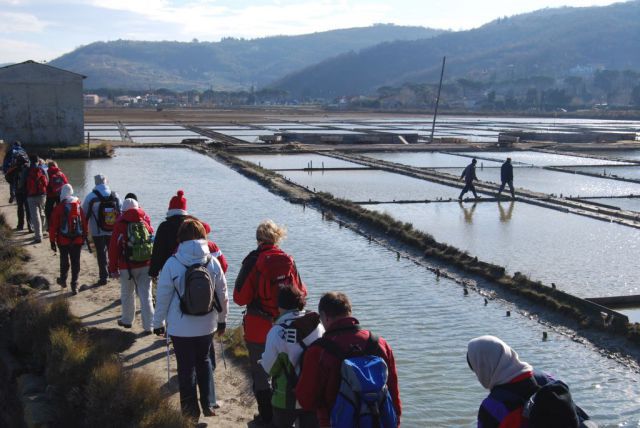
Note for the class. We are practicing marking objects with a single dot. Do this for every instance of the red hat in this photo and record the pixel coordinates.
(178, 202)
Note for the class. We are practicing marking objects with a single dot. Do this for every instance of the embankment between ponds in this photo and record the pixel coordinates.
(587, 315)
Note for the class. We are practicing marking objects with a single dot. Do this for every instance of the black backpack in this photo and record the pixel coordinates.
(199, 296)
(552, 406)
(107, 211)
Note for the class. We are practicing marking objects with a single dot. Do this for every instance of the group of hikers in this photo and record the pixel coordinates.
(469, 176)
(308, 368)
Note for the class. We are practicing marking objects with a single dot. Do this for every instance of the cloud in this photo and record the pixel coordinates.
(19, 51)
(13, 22)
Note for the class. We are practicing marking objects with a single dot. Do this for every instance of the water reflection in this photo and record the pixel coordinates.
(505, 216)
(468, 212)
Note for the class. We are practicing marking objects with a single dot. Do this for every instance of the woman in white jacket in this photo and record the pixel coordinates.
(191, 335)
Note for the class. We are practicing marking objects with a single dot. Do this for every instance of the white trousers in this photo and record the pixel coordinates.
(140, 283)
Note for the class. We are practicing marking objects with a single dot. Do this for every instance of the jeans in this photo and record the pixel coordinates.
(510, 183)
(70, 253)
(102, 244)
(467, 187)
(140, 284)
(23, 211)
(285, 418)
(36, 209)
(194, 370)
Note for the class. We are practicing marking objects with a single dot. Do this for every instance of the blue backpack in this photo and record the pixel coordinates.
(363, 400)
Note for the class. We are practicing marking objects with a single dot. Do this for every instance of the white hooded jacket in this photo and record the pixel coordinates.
(171, 282)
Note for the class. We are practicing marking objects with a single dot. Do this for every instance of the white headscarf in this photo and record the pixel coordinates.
(494, 362)
(66, 192)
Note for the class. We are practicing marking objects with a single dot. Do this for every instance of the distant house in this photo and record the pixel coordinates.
(41, 104)
(91, 100)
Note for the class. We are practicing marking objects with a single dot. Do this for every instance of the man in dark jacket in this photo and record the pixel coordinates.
(506, 176)
(469, 174)
(165, 243)
(319, 381)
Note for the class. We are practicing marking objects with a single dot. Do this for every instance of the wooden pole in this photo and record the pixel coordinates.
(88, 145)
(435, 113)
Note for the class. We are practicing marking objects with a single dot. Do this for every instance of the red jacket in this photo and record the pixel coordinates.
(217, 253)
(319, 381)
(118, 240)
(258, 320)
(37, 181)
(55, 222)
(57, 179)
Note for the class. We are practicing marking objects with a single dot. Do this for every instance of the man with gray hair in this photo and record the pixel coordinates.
(102, 207)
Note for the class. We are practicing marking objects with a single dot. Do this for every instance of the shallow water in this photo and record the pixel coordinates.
(586, 257)
(558, 183)
(371, 185)
(298, 161)
(427, 321)
(619, 154)
(631, 204)
(426, 159)
(632, 172)
(540, 159)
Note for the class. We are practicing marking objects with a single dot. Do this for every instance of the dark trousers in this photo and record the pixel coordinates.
(102, 246)
(510, 183)
(283, 418)
(23, 208)
(49, 205)
(467, 187)
(70, 254)
(194, 370)
(261, 385)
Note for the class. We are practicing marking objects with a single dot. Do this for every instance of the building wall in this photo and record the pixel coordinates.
(41, 105)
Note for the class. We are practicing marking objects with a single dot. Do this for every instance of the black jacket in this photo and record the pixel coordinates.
(165, 243)
(506, 172)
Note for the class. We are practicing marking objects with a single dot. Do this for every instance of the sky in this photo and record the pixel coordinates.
(45, 29)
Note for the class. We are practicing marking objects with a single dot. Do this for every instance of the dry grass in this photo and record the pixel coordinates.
(234, 343)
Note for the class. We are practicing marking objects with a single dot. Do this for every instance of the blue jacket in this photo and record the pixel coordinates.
(90, 207)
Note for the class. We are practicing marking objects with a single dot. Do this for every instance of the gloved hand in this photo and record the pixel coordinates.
(158, 331)
(115, 275)
(54, 248)
(222, 327)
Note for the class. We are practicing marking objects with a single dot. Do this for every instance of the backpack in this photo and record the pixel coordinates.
(139, 244)
(36, 182)
(363, 399)
(107, 211)
(275, 269)
(71, 224)
(56, 181)
(553, 406)
(199, 296)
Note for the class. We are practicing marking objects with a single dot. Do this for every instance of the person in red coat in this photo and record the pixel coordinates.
(262, 311)
(319, 381)
(215, 250)
(67, 232)
(57, 179)
(132, 265)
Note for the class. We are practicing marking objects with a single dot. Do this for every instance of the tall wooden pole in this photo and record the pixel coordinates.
(435, 113)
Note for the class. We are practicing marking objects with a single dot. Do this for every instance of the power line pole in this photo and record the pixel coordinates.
(435, 113)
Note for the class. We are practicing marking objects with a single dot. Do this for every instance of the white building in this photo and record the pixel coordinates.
(41, 105)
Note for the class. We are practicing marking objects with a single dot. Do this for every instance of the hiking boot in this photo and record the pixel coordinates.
(36, 241)
(208, 411)
(11, 199)
(102, 282)
(61, 282)
(121, 324)
(74, 288)
(19, 228)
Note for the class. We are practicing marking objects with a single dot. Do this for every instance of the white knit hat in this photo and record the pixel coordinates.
(66, 191)
(130, 204)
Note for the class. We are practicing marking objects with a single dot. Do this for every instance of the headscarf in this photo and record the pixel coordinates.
(494, 362)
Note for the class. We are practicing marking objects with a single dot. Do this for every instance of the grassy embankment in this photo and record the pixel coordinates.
(570, 306)
(95, 151)
(86, 383)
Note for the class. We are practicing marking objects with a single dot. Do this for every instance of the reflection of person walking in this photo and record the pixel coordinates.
(506, 176)
(469, 174)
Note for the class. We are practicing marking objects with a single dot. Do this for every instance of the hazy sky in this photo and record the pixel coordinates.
(45, 29)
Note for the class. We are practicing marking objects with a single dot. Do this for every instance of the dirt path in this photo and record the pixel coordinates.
(100, 307)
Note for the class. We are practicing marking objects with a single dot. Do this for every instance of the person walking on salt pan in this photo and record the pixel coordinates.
(469, 175)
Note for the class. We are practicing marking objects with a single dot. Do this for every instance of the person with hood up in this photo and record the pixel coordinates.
(165, 243)
(294, 331)
(469, 175)
(129, 255)
(506, 177)
(191, 335)
(57, 179)
(103, 207)
(67, 231)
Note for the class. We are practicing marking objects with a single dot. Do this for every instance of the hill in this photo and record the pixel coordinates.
(549, 42)
(228, 64)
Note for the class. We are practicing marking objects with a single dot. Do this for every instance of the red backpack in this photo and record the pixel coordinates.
(56, 181)
(36, 182)
(71, 225)
(275, 268)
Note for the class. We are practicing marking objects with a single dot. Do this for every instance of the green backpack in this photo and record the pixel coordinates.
(139, 243)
